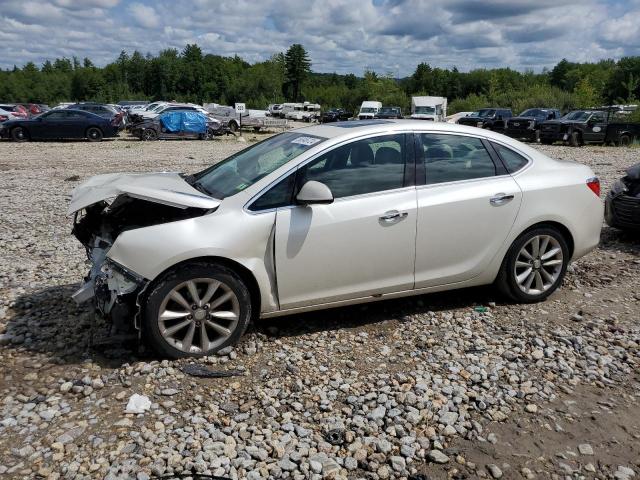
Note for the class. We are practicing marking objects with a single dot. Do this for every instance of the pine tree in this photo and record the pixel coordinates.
(297, 68)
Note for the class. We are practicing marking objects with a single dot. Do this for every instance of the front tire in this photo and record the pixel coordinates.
(196, 310)
(19, 134)
(94, 134)
(574, 139)
(149, 134)
(534, 266)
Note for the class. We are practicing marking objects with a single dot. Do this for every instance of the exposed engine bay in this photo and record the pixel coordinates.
(113, 288)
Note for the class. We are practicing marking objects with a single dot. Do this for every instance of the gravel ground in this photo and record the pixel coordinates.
(453, 385)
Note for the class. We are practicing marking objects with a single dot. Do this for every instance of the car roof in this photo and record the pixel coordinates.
(357, 128)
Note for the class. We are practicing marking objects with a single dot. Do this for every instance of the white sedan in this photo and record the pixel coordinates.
(330, 215)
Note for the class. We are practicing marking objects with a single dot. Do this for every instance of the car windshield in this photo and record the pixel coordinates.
(367, 110)
(486, 112)
(245, 168)
(578, 115)
(532, 112)
(425, 110)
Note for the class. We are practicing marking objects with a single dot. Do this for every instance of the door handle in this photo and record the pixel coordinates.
(500, 199)
(393, 216)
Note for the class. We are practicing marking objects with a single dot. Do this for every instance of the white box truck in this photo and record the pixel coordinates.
(429, 108)
(368, 109)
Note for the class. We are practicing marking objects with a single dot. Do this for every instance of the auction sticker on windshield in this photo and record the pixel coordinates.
(308, 141)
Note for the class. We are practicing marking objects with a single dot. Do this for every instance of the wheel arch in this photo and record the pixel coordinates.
(245, 274)
(93, 126)
(566, 233)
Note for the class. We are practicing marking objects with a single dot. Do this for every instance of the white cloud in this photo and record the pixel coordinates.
(144, 15)
(340, 35)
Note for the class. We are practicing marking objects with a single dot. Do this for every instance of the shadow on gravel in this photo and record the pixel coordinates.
(375, 312)
(614, 239)
(48, 321)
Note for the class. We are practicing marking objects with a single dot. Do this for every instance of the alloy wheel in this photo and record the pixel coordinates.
(198, 315)
(538, 264)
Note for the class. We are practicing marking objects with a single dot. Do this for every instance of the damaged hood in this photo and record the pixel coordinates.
(167, 188)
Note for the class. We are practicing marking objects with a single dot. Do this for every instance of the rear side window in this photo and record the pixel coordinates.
(452, 158)
(512, 160)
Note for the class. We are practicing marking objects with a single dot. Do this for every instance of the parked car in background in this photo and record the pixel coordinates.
(274, 109)
(622, 205)
(11, 111)
(192, 258)
(102, 110)
(129, 104)
(389, 112)
(177, 124)
(526, 126)
(489, 118)
(581, 127)
(227, 115)
(335, 115)
(429, 108)
(59, 124)
(368, 109)
(456, 116)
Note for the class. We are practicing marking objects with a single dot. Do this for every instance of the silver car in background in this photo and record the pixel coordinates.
(330, 215)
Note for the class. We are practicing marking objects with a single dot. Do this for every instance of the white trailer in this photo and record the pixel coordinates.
(368, 109)
(429, 108)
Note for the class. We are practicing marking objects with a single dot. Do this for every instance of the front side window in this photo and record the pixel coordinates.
(364, 166)
(451, 158)
(58, 115)
(245, 168)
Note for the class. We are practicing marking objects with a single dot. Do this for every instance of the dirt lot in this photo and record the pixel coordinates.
(455, 385)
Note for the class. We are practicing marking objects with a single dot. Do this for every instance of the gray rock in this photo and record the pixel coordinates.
(436, 456)
(494, 470)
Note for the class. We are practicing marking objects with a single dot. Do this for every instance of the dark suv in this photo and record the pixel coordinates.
(389, 112)
(489, 118)
(527, 125)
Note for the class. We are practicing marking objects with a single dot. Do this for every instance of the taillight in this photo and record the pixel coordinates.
(594, 184)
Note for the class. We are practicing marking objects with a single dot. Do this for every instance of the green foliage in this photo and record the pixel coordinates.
(297, 69)
(191, 75)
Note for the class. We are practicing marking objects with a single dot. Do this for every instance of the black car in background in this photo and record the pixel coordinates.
(489, 118)
(334, 115)
(61, 123)
(581, 127)
(101, 109)
(622, 205)
(526, 126)
(389, 112)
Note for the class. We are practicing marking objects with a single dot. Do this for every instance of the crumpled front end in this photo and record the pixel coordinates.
(108, 205)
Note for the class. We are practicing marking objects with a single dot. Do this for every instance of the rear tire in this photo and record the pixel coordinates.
(625, 141)
(531, 273)
(94, 134)
(223, 324)
(233, 126)
(20, 134)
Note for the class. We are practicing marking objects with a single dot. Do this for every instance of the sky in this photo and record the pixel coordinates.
(344, 36)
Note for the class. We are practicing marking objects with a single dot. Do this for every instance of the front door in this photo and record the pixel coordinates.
(363, 243)
(466, 209)
(596, 128)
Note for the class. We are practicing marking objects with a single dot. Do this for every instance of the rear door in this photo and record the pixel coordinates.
(467, 205)
(362, 244)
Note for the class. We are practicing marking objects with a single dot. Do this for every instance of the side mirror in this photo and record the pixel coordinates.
(314, 192)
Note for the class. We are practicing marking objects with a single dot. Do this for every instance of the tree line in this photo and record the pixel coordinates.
(192, 76)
